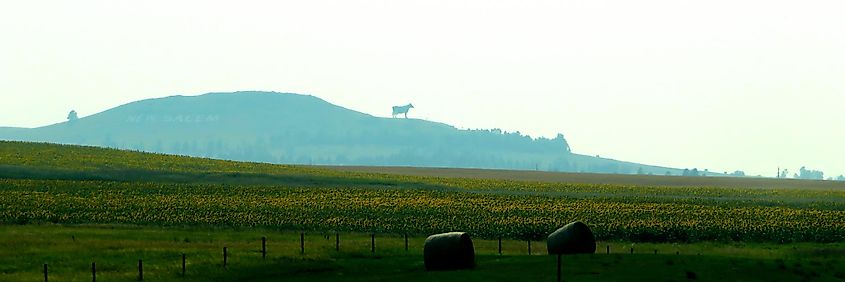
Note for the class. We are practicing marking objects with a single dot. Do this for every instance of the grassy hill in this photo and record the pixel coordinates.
(29, 160)
(299, 129)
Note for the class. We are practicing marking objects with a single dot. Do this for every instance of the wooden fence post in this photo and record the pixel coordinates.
(225, 257)
(558, 268)
(183, 265)
(500, 245)
(302, 243)
(263, 247)
(337, 241)
(94, 272)
(608, 249)
(632, 250)
(406, 242)
(140, 270)
(373, 243)
(529, 247)
(45, 272)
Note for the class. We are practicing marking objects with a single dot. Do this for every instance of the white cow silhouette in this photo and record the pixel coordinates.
(402, 110)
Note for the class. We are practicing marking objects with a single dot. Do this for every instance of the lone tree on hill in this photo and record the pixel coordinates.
(72, 116)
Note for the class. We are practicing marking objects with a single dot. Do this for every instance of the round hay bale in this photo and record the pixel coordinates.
(573, 238)
(449, 251)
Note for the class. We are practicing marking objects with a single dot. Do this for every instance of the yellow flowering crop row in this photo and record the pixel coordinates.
(411, 210)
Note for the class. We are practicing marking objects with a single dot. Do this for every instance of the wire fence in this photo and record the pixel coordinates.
(483, 248)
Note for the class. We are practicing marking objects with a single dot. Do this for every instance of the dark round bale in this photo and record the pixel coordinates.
(573, 238)
(449, 251)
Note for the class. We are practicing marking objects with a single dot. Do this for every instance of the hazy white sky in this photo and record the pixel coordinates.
(718, 84)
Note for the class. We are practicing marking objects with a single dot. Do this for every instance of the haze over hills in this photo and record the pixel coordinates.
(302, 129)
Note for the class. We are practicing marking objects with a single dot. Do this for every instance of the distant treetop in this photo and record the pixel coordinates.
(72, 116)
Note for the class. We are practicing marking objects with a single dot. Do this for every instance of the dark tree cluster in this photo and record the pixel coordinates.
(691, 172)
(804, 173)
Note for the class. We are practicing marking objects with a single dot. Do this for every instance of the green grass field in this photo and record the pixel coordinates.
(70, 250)
(69, 206)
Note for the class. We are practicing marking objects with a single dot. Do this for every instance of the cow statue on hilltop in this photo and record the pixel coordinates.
(398, 110)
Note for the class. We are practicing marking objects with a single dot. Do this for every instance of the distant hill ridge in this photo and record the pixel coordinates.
(302, 129)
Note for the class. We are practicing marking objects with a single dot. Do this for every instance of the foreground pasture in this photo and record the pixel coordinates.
(70, 250)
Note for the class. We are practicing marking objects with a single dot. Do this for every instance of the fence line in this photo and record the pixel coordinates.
(264, 252)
